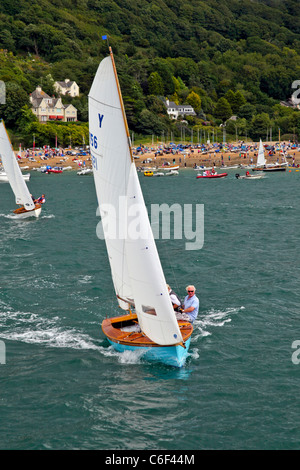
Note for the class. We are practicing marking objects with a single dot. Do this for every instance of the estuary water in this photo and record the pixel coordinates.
(63, 387)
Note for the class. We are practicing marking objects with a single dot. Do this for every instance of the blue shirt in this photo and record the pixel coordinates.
(192, 302)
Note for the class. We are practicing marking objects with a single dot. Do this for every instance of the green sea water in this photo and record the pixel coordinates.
(64, 387)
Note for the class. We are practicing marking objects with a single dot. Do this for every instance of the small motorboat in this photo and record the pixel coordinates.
(55, 169)
(208, 174)
(247, 176)
(169, 167)
(148, 173)
(85, 171)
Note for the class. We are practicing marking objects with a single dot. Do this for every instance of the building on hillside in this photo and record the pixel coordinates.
(175, 110)
(67, 87)
(291, 102)
(51, 109)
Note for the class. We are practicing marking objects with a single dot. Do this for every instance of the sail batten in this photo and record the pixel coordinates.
(135, 265)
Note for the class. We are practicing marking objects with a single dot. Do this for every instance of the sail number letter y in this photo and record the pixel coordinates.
(100, 116)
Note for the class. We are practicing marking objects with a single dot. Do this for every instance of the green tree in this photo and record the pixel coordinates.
(155, 84)
(7, 41)
(260, 125)
(194, 100)
(150, 123)
(16, 98)
(235, 99)
(247, 111)
(223, 110)
(47, 84)
(26, 117)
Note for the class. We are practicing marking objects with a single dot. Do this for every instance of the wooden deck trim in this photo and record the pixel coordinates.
(22, 210)
(138, 339)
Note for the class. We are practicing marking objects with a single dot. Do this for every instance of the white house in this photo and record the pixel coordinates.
(51, 109)
(175, 110)
(67, 87)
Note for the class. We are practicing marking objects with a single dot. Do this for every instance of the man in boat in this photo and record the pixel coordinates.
(40, 200)
(190, 309)
(176, 302)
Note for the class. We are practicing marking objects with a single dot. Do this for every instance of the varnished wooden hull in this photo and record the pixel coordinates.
(272, 168)
(174, 355)
(22, 213)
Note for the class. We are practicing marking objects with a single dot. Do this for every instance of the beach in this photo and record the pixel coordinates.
(189, 158)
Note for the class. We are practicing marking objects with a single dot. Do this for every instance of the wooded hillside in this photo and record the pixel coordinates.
(235, 57)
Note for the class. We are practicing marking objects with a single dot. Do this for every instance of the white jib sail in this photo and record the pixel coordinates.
(13, 171)
(261, 161)
(134, 261)
(152, 301)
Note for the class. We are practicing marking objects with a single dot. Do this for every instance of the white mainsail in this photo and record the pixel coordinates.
(261, 161)
(136, 270)
(13, 171)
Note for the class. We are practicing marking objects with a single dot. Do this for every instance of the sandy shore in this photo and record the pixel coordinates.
(187, 160)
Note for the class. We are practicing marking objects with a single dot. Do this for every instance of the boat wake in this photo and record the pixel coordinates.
(34, 329)
(9, 216)
(125, 357)
(214, 318)
(14, 217)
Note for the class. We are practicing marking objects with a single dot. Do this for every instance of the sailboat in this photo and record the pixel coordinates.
(262, 163)
(4, 177)
(148, 324)
(12, 170)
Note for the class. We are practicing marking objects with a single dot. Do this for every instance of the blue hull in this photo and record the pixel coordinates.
(170, 355)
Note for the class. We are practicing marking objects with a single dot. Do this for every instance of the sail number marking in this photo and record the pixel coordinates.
(93, 141)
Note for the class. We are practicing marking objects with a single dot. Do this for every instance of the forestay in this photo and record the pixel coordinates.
(136, 269)
(13, 171)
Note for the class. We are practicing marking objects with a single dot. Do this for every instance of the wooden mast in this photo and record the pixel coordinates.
(121, 101)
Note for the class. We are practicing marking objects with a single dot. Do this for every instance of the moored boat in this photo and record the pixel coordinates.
(208, 175)
(169, 167)
(262, 164)
(270, 168)
(247, 176)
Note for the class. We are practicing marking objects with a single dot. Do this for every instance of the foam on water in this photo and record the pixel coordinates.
(35, 329)
(214, 318)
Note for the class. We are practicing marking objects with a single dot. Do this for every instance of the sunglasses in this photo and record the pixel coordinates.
(191, 291)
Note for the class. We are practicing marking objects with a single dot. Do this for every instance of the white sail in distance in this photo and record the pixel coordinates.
(135, 266)
(261, 161)
(13, 171)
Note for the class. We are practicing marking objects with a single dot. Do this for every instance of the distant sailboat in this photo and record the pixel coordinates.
(138, 278)
(261, 160)
(15, 178)
(262, 163)
(4, 177)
